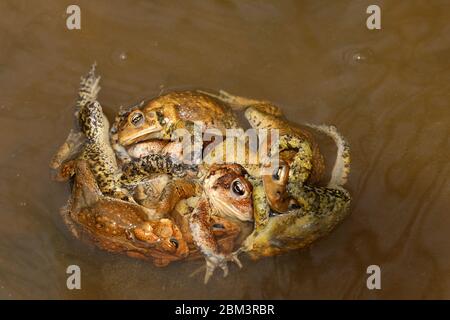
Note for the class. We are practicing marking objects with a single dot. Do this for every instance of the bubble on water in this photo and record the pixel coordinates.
(22, 204)
(119, 56)
(359, 56)
(123, 56)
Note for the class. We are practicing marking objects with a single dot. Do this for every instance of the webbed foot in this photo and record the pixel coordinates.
(221, 261)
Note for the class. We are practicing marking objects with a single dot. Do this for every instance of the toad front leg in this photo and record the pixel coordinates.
(204, 239)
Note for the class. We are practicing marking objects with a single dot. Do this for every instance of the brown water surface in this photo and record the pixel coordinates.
(388, 92)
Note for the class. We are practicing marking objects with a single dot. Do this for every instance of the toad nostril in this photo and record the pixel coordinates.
(174, 242)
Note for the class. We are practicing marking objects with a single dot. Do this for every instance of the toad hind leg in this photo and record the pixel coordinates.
(241, 103)
(204, 239)
(341, 169)
(89, 88)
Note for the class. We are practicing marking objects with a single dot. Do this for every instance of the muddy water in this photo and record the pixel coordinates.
(387, 91)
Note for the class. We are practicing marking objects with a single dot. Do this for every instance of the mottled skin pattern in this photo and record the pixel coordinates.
(318, 209)
(138, 174)
(224, 197)
(120, 226)
(155, 163)
(341, 169)
(307, 163)
(297, 148)
(158, 118)
(285, 184)
(112, 224)
(225, 231)
(99, 154)
(275, 185)
(96, 149)
(227, 193)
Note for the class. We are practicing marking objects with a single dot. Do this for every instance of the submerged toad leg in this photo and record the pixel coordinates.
(68, 149)
(204, 239)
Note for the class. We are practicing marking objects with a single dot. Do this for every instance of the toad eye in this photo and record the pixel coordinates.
(174, 242)
(279, 173)
(238, 188)
(137, 119)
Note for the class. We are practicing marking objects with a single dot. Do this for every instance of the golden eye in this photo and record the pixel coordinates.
(238, 188)
(137, 119)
